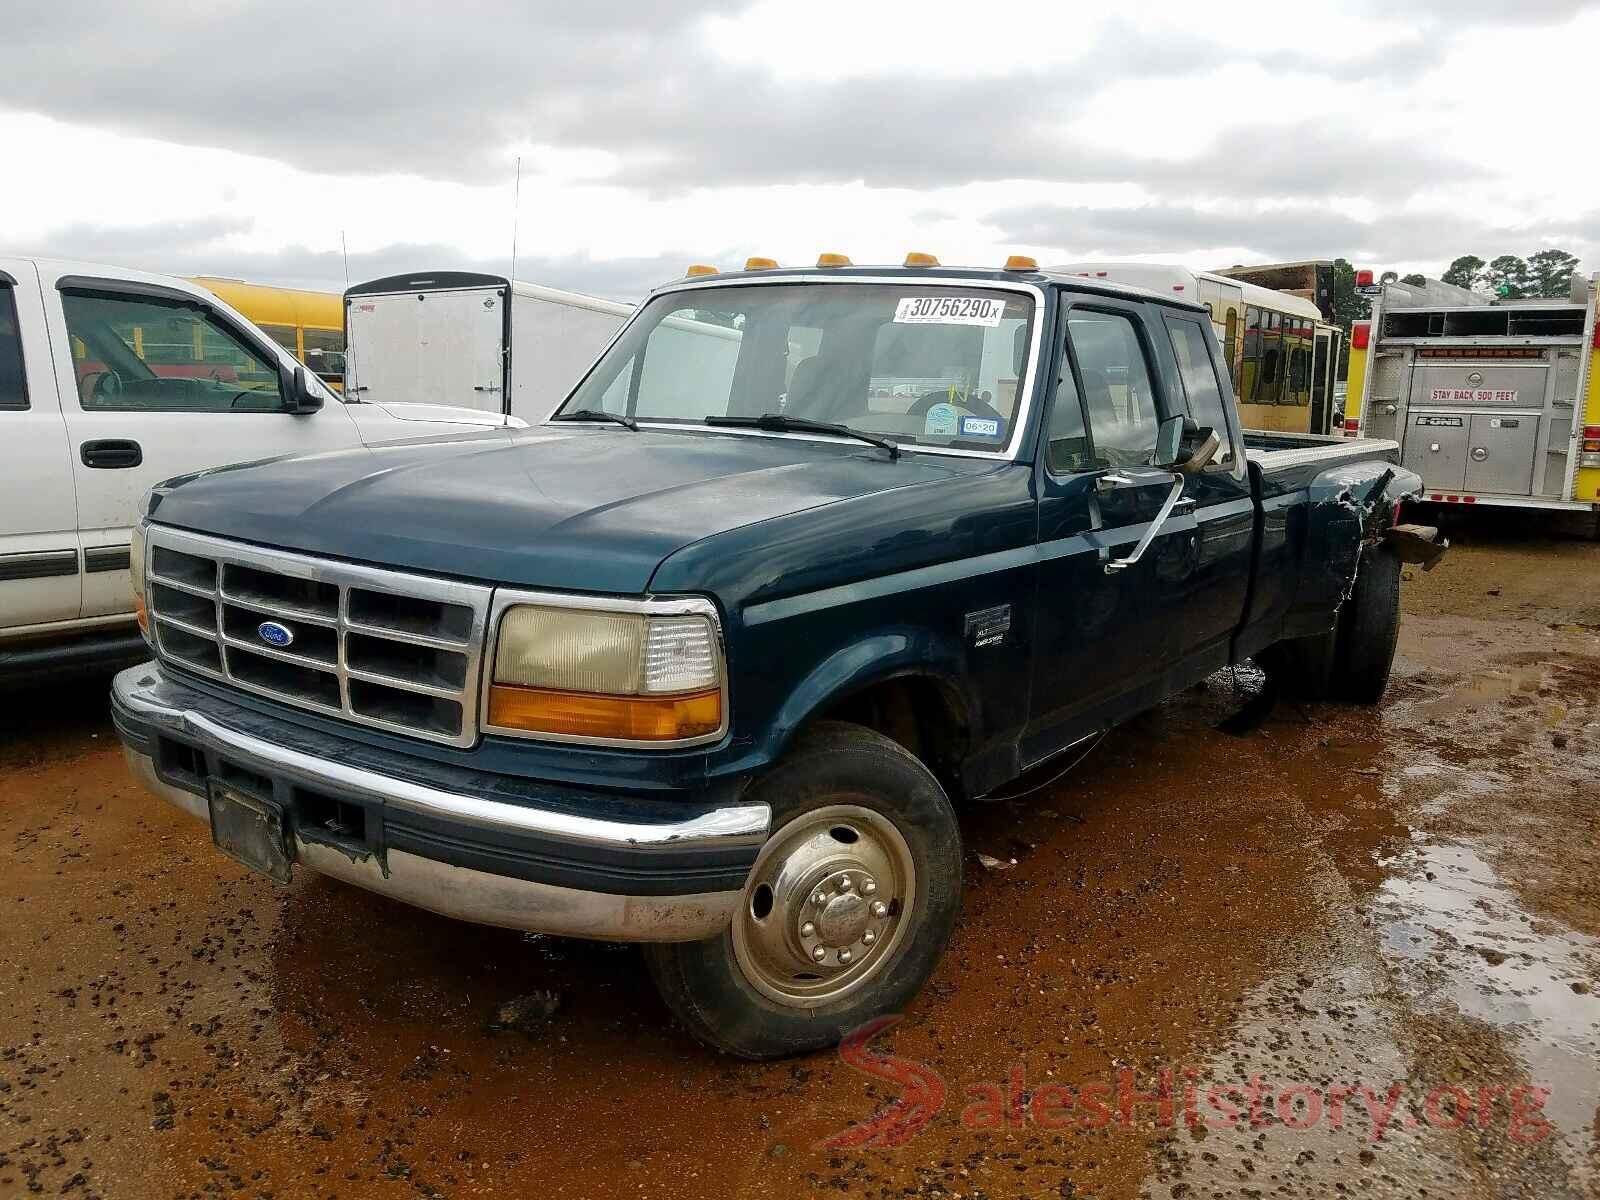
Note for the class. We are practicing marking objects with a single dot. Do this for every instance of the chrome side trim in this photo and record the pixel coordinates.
(650, 606)
(742, 824)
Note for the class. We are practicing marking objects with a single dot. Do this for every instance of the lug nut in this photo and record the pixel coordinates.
(879, 908)
(820, 898)
(845, 956)
(869, 887)
(807, 929)
(846, 883)
(819, 953)
(868, 938)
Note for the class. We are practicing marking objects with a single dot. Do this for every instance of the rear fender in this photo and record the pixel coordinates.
(1351, 506)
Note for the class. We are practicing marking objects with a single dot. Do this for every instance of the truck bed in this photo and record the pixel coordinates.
(1275, 451)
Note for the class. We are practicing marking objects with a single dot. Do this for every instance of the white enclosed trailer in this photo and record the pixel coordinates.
(483, 341)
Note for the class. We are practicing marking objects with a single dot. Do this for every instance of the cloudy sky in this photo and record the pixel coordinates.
(245, 139)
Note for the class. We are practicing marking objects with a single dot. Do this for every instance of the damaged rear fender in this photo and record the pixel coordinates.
(1350, 507)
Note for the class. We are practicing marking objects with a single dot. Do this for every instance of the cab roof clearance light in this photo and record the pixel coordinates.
(701, 269)
(918, 259)
(756, 263)
(1021, 262)
(833, 260)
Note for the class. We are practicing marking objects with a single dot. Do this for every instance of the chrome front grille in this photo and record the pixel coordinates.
(381, 648)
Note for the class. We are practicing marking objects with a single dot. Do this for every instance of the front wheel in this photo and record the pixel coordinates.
(845, 913)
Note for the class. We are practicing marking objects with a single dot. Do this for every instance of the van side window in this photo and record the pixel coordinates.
(13, 381)
(1199, 375)
(140, 354)
(1116, 387)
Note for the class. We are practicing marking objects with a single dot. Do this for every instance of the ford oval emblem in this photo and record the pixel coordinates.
(274, 634)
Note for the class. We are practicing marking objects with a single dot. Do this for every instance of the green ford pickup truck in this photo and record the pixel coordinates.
(712, 658)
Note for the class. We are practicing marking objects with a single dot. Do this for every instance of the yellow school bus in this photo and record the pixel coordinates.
(309, 325)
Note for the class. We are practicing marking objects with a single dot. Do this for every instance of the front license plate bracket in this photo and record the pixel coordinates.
(249, 830)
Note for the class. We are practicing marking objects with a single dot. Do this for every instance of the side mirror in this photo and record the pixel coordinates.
(1183, 446)
(299, 397)
(1169, 443)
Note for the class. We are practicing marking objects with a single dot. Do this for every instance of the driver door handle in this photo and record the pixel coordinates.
(111, 454)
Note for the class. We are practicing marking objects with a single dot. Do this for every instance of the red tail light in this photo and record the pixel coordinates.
(1597, 335)
(1591, 439)
(1363, 278)
(1361, 333)
(1352, 427)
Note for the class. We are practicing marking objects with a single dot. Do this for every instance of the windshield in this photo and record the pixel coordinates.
(923, 365)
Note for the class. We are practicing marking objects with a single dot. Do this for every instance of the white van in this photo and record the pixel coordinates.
(483, 341)
(111, 381)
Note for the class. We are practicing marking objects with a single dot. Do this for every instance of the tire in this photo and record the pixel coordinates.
(1369, 628)
(842, 796)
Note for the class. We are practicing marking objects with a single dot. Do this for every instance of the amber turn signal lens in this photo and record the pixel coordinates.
(633, 718)
(141, 615)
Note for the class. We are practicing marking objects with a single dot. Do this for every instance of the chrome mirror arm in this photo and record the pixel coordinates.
(1121, 564)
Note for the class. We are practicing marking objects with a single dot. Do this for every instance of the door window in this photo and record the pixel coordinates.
(1068, 448)
(1199, 375)
(144, 354)
(1116, 387)
(13, 381)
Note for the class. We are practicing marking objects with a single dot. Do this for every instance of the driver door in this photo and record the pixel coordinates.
(154, 386)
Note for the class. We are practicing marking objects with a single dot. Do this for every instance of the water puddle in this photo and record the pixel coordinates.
(1460, 938)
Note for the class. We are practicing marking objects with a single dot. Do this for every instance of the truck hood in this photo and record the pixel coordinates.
(587, 509)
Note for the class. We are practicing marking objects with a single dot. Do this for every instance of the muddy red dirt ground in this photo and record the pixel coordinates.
(1404, 898)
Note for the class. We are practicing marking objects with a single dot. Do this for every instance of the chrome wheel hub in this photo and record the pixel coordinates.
(826, 904)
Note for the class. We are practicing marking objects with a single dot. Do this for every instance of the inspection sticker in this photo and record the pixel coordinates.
(986, 427)
(949, 310)
(940, 421)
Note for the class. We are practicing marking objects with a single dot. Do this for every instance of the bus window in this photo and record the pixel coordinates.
(1270, 388)
(1230, 345)
(1250, 376)
(325, 353)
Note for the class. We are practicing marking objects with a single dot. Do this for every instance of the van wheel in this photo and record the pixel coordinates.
(845, 913)
(1369, 628)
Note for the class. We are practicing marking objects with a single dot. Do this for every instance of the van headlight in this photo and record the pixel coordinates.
(136, 577)
(608, 675)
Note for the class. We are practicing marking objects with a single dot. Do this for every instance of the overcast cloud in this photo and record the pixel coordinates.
(248, 139)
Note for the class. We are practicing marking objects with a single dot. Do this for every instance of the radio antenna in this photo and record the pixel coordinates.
(344, 249)
(516, 211)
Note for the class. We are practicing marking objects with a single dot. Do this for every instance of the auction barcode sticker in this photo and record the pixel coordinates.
(949, 310)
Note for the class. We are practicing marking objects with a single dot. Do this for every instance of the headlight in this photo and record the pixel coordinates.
(136, 576)
(608, 675)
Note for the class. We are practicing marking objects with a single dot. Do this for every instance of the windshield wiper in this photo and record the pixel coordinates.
(779, 423)
(597, 414)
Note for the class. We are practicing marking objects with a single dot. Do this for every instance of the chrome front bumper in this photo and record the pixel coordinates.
(156, 716)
